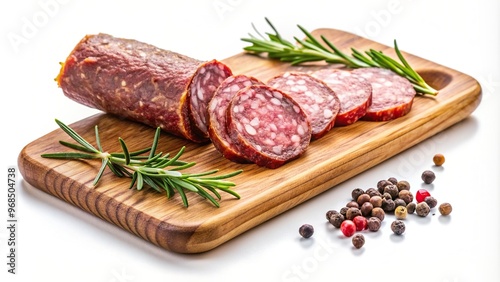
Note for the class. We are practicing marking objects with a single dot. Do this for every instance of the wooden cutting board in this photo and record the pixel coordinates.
(341, 154)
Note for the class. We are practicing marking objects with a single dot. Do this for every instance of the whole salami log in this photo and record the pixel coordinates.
(353, 91)
(268, 126)
(217, 129)
(141, 82)
(319, 101)
(392, 95)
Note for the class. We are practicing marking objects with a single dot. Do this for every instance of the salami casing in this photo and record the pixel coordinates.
(268, 126)
(137, 81)
(319, 101)
(353, 91)
(392, 95)
(217, 129)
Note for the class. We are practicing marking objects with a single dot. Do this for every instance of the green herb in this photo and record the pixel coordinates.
(149, 170)
(311, 50)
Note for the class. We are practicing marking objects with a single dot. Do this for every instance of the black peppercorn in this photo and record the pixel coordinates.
(358, 240)
(376, 201)
(356, 192)
(431, 201)
(363, 198)
(399, 202)
(330, 213)
(445, 209)
(398, 227)
(388, 205)
(373, 192)
(374, 223)
(378, 212)
(403, 185)
(352, 204)
(381, 184)
(422, 209)
(391, 190)
(306, 230)
(393, 180)
(352, 213)
(410, 208)
(336, 220)
(366, 209)
(428, 176)
(343, 211)
(406, 196)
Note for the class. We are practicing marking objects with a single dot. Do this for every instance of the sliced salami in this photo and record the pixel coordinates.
(392, 95)
(353, 91)
(319, 101)
(137, 81)
(217, 129)
(201, 90)
(268, 126)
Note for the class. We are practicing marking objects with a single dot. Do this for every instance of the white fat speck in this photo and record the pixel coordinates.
(294, 89)
(273, 128)
(255, 122)
(315, 108)
(258, 148)
(260, 97)
(301, 82)
(388, 83)
(255, 105)
(286, 74)
(278, 95)
(244, 97)
(235, 109)
(230, 79)
(300, 130)
(309, 94)
(235, 88)
(203, 70)
(247, 83)
(302, 87)
(276, 101)
(319, 100)
(250, 130)
(200, 93)
(269, 142)
(241, 108)
(278, 149)
(327, 113)
(295, 138)
(289, 82)
(214, 104)
(124, 83)
(296, 109)
(376, 85)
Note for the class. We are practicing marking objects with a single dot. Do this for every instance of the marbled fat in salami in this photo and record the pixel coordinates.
(392, 95)
(217, 129)
(268, 126)
(319, 101)
(353, 91)
(137, 81)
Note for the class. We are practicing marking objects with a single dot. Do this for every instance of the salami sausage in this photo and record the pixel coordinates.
(268, 126)
(353, 91)
(217, 129)
(319, 101)
(138, 81)
(392, 95)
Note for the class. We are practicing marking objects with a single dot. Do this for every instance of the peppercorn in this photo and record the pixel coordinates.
(363, 198)
(360, 222)
(431, 201)
(358, 241)
(406, 195)
(399, 202)
(336, 219)
(376, 201)
(374, 223)
(410, 208)
(428, 176)
(348, 228)
(330, 213)
(372, 192)
(352, 204)
(445, 209)
(421, 195)
(438, 159)
(356, 192)
(393, 180)
(422, 209)
(366, 209)
(388, 205)
(352, 213)
(398, 227)
(392, 190)
(400, 212)
(381, 184)
(403, 185)
(386, 196)
(343, 211)
(378, 212)
(306, 230)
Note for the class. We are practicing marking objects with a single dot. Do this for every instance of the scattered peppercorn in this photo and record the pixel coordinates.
(363, 198)
(330, 213)
(306, 230)
(410, 208)
(428, 176)
(445, 208)
(406, 195)
(336, 220)
(376, 201)
(352, 204)
(381, 184)
(421, 195)
(400, 212)
(361, 223)
(392, 190)
(403, 185)
(393, 180)
(352, 213)
(348, 228)
(358, 241)
(422, 209)
(398, 227)
(388, 205)
(373, 192)
(374, 223)
(366, 209)
(378, 212)
(431, 201)
(438, 159)
(399, 202)
(356, 192)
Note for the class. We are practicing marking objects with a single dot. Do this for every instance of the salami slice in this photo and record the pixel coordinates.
(392, 95)
(201, 90)
(137, 81)
(319, 101)
(217, 129)
(268, 126)
(353, 91)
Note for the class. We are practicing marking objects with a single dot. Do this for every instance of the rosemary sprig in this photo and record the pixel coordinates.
(311, 50)
(150, 170)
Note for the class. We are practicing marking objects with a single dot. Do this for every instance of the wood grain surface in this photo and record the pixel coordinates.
(343, 153)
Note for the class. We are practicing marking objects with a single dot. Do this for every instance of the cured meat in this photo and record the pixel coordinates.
(319, 101)
(353, 91)
(392, 95)
(217, 129)
(268, 126)
(138, 81)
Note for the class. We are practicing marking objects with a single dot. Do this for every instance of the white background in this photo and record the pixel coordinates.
(58, 242)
